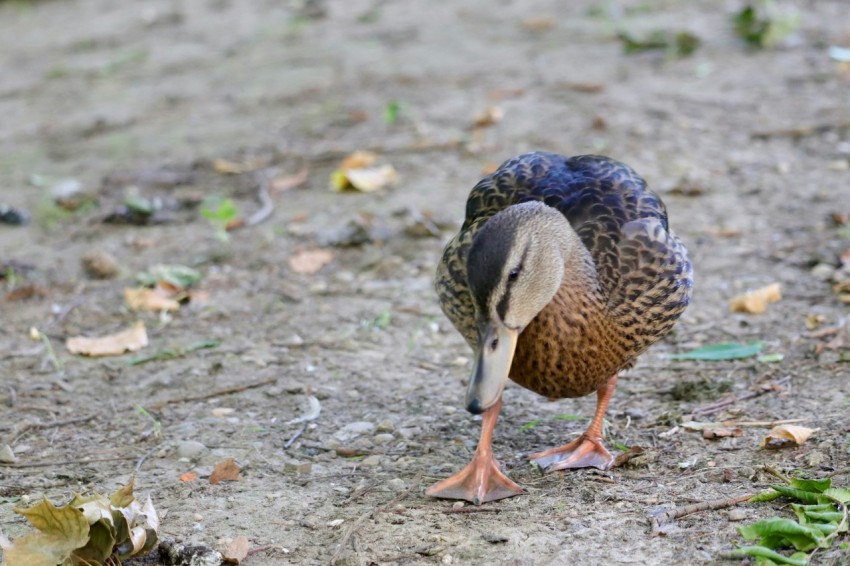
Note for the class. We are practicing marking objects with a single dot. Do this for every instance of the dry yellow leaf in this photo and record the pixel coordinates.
(227, 167)
(144, 299)
(236, 550)
(226, 470)
(130, 340)
(755, 302)
(786, 435)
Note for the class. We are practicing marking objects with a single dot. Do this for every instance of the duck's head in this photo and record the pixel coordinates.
(514, 268)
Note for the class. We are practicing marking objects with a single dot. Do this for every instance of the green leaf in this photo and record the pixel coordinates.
(839, 494)
(529, 424)
(219, 210)
(722, 351)
(799, 494)
(569, 417)
(777, 532)
(818, 513)
(391, 112)
(139, 205)
(771, 358)
(768, 495)
(763, 552)
(811, 485)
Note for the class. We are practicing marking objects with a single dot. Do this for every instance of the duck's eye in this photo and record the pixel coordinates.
(494, 344)
(514, 274)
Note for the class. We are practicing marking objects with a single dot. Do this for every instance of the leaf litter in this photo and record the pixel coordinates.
(756, 301)
(129, 340)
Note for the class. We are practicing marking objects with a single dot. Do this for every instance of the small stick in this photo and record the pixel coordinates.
(261, 549)
(266, 202)
(52, 424)
(358, 494)
(67, 462)
(365, 517)
(295, 436)
(659, 520)
(143, 458)
(801, 131)
(775, 473)
(460, 510)
(719, 405)
(219, 393)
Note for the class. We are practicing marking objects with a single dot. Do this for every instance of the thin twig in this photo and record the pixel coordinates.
(219, 393)
(143, 458)
(461, 510)
(668, 516)
(295, 436)
(775, 473)
(365, 517)
(358, 494)
(52, 424)
(722, 404)
(67, 462)
(263, 194)
(801, 131)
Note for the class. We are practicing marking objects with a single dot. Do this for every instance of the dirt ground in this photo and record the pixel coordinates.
(117, 95)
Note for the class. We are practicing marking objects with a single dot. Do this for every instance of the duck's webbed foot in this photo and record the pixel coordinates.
(583, 452)
(481, 480)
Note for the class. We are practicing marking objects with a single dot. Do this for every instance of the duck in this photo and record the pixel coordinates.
(564, 271)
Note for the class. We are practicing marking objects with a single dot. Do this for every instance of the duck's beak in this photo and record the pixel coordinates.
(496, 345)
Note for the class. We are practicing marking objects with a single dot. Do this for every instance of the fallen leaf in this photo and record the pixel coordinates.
(308, 262)
(188, 476)
(226, 470)
(755, 302)
(786, 435)
(721, 432)
(26, 292)
(280, 184)
(236, 551)
(539, 24)
(490, 116)
(722, 351)
(61, 531)
(359, 160)
(366, 179)
(626, 456)
(144, 299)
(228, 167)
(130, 340)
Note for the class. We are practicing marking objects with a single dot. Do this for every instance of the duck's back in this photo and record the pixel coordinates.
(642, 270)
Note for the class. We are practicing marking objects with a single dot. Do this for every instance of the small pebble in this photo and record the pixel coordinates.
(385, 425)
(397, 484)
(354, 429)
(7, 456)
(447, 559)
(371, 461)
(823, 271)
(100, 265)
(737, 514)
(198, 517)
(190, 449)
(383, 438)
(457, 504)
(336, 522)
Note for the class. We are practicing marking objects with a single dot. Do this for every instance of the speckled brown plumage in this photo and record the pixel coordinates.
(619, 298)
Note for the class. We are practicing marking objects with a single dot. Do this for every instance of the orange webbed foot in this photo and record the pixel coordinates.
(583, 452)
(479, 482)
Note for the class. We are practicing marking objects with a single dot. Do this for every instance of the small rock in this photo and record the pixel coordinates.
(336, 522)
(737, 514)
(190, 449)
(7, 456)
(458, 504)
(198, 517)
(447, 559)
(372, 461)
(494, 538)
(352, 430)
(383, 438)
(293, 342)
(396, 484)
(297, 467)
(823, 271)
(636, 413)
(385, 425)
(100, 265)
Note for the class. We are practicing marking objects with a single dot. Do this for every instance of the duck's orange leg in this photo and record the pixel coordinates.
(587, 450)
(481, 480)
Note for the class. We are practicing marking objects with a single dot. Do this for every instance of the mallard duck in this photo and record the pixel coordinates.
(563, 272)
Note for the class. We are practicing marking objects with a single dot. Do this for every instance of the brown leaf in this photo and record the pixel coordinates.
(755, 302)
(236, 551)
(629, 454)
(188, 476)
(490, 116)
(538, 24)
(786, 435)
(721, 432)
(228, 167)
(226, 470)
(308, 262)
(130, 340)
(280, 184)
(144, 299)
(359, 160)
(26, 292)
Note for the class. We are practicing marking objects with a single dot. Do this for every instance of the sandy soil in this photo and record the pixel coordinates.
(110, 93)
